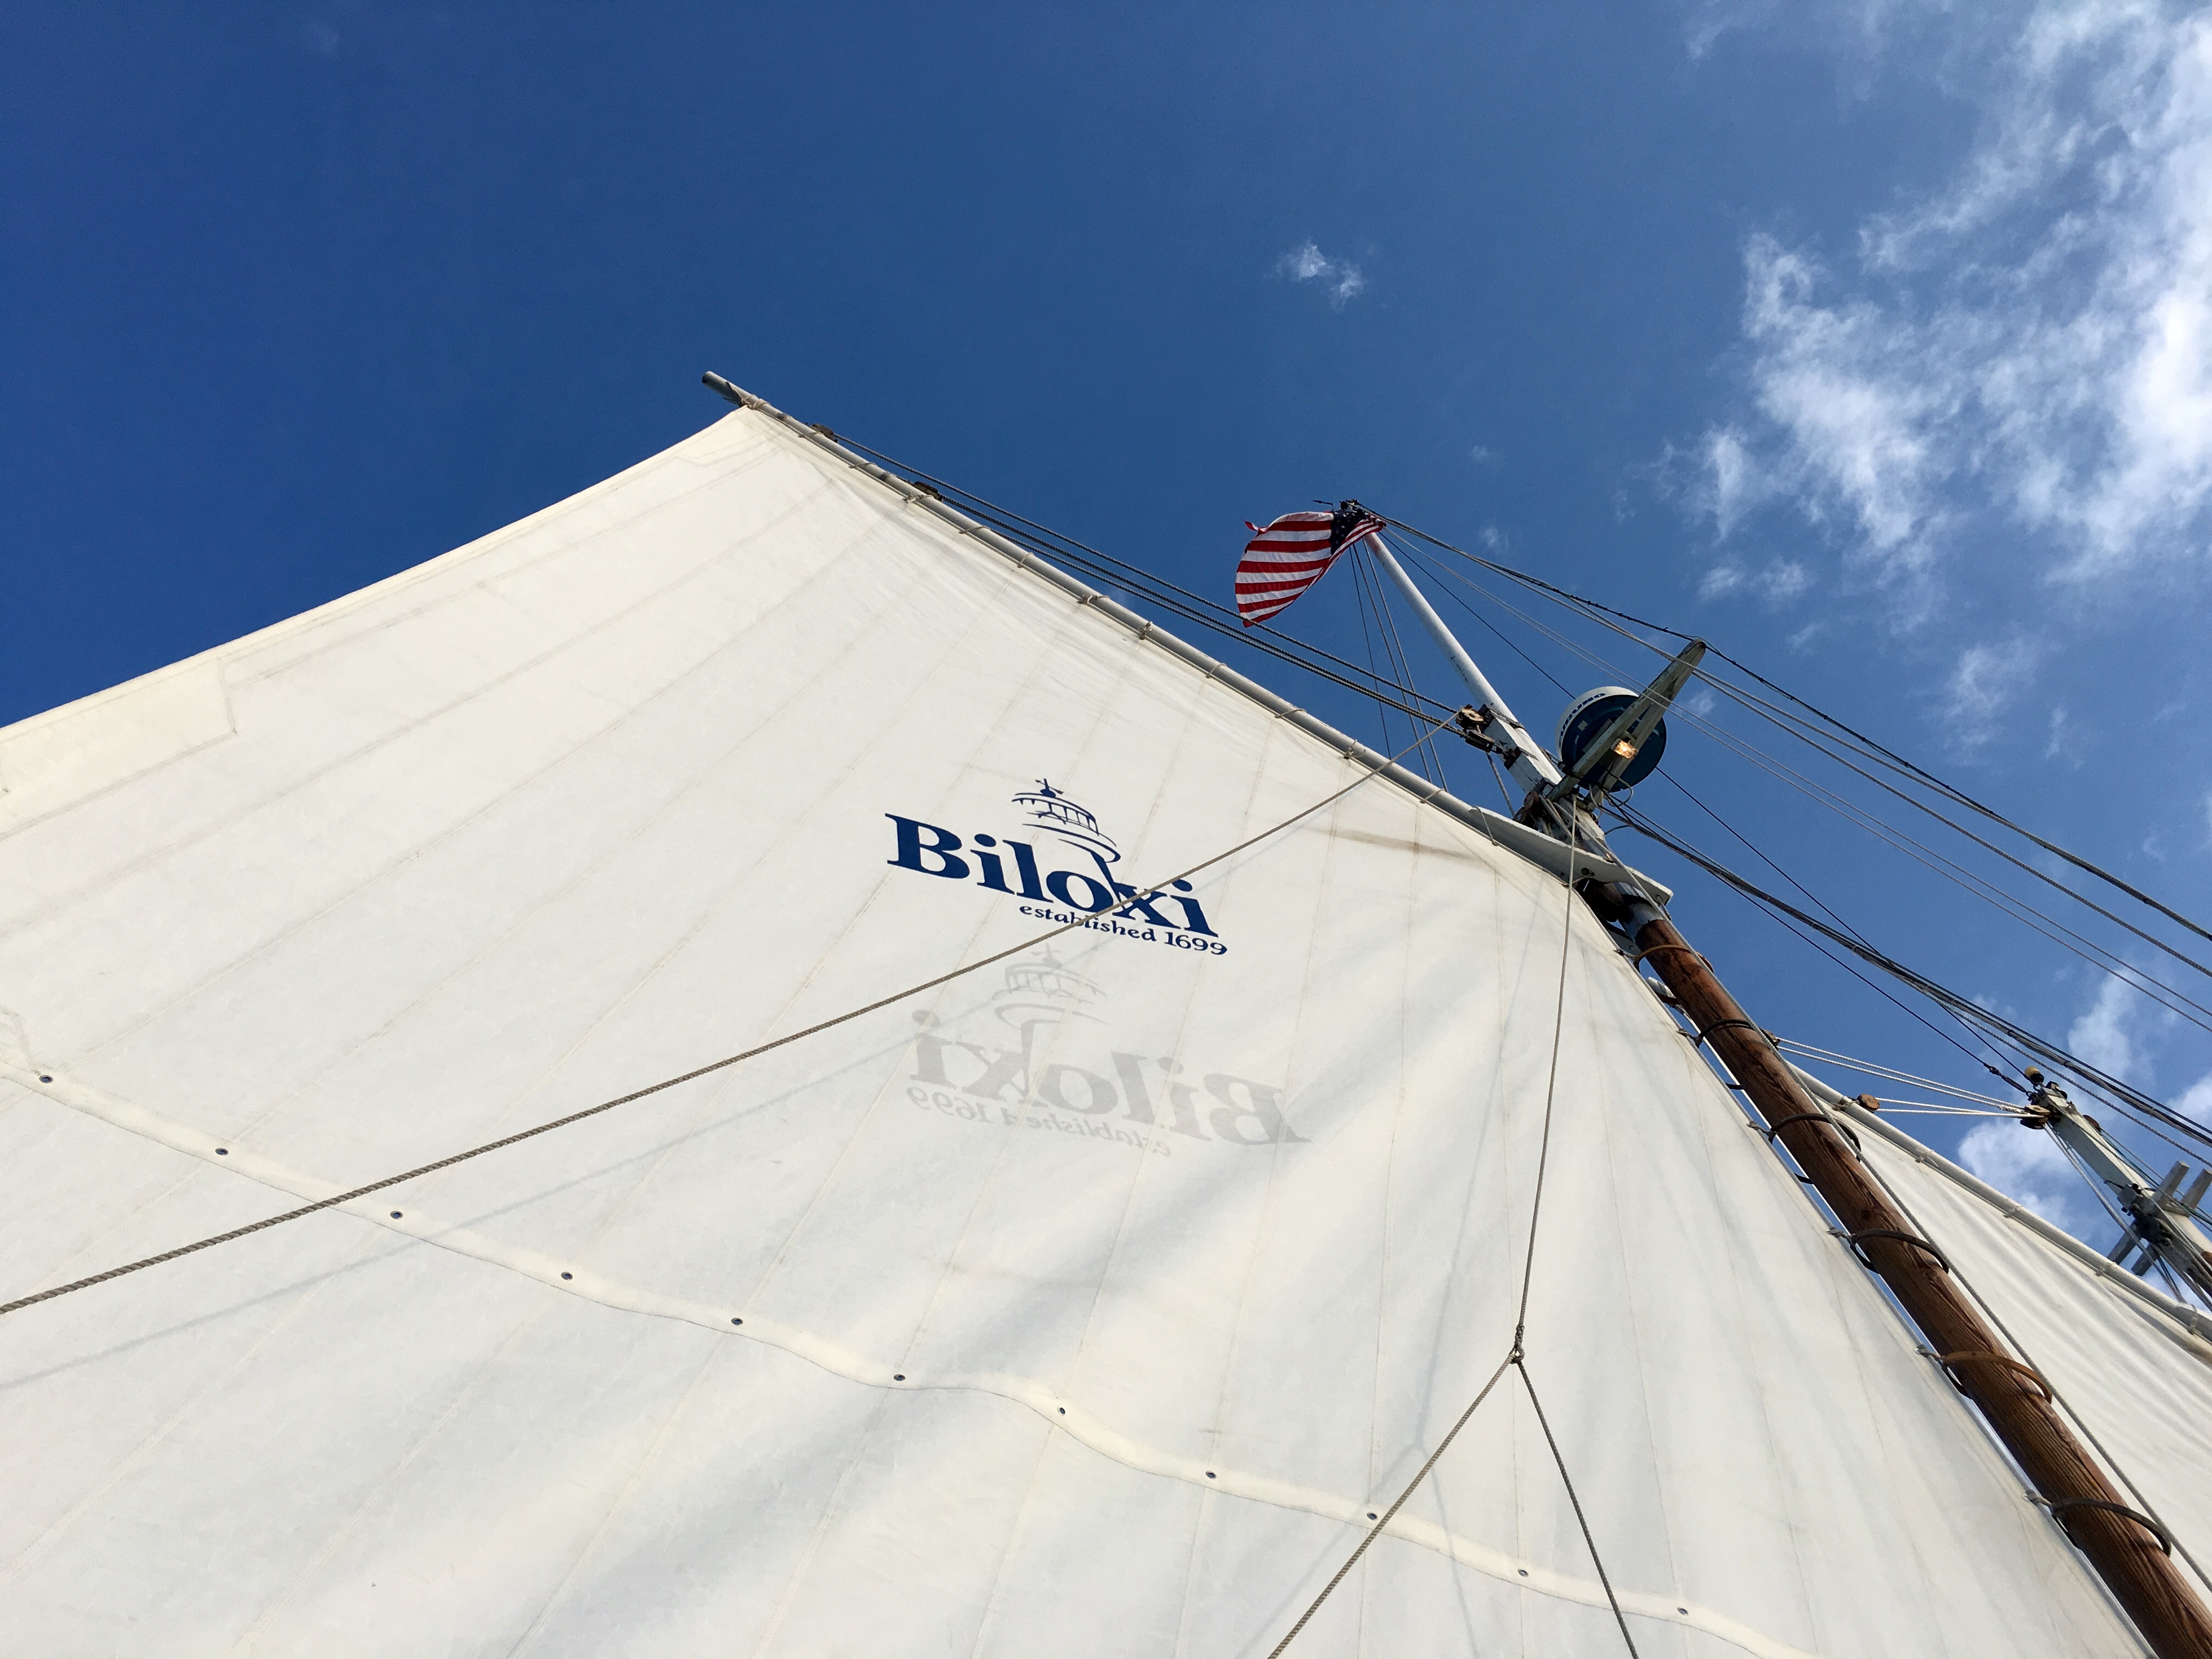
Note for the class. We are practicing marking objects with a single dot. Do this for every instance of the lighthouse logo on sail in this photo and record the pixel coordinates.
(1011, 865)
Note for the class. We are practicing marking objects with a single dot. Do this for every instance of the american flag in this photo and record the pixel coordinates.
(1287, 557)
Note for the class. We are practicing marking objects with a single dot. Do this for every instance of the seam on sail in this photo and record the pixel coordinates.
(352, 893)
(1057, 1410)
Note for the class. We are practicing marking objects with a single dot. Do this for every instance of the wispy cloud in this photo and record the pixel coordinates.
(2027, 1165)
(1985, 683)
(1338, 278)
(2067, 740)
(1776, 581)
(2105, 1036)
(2030, 345)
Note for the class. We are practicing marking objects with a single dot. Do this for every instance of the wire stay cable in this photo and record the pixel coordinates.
(2041, 921)
(2124, 1095)
(696, 1072)
(1868, 745)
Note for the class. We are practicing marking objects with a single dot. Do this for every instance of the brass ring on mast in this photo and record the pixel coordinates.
(1951, 1362)
(1913, 1239)
(1837, 1124)
(2165, 1539)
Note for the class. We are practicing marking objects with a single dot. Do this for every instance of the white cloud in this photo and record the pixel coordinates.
(1339, 278)
(2197, 1099)
(2030, 345)
(1779, 581)
(2105, 1036)
(1482, 454)
(2067, 741)
(1984, 685)
(2026, 1165)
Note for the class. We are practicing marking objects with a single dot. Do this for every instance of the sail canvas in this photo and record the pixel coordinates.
(1090, 1302)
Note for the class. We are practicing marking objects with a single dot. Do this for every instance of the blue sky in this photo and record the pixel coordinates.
(1872, 341)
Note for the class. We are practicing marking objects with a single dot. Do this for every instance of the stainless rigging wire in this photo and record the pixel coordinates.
(2123, 1096)
(1401, 663)
(1847, 734)
(2028, 914)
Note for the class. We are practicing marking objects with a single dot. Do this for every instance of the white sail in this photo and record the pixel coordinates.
(2133, 1368)
(1088, 1303)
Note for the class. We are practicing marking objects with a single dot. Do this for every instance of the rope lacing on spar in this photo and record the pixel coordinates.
(1517, 1357)
(723, 1063)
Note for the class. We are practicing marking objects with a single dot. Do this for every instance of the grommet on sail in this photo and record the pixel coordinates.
(935, 1115)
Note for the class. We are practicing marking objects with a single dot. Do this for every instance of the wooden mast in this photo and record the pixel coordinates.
(2125, 1550)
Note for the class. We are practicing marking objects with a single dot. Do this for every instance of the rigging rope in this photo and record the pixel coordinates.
(696, 1072)
(1949, 869)
(1852, 1063)
(1683, 789)
(1516, 1357)
(1874, 750)
(1402, 697)
(1529, 1383)
(1375, 1531)
(2122, 1095)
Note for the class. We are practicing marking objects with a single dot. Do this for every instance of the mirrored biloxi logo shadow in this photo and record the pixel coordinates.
(1063, 1077)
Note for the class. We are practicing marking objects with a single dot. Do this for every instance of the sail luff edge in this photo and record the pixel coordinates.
(1531, 845)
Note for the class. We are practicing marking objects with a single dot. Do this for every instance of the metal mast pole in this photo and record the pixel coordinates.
(1524, 756)
(2122, 1546)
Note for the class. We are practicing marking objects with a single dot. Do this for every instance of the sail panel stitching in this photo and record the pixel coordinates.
(1517, 1356)
(1521, 1364)
(1042, 1398)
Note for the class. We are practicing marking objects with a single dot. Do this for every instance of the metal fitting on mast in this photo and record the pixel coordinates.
(2162, 1219)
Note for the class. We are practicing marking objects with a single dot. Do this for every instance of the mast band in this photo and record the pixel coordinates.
(2165, 1539)
(1722, 1024)
(1913, 1239)
(1951, 1362)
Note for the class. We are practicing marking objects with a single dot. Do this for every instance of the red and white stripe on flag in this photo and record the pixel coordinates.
(1288, 558)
